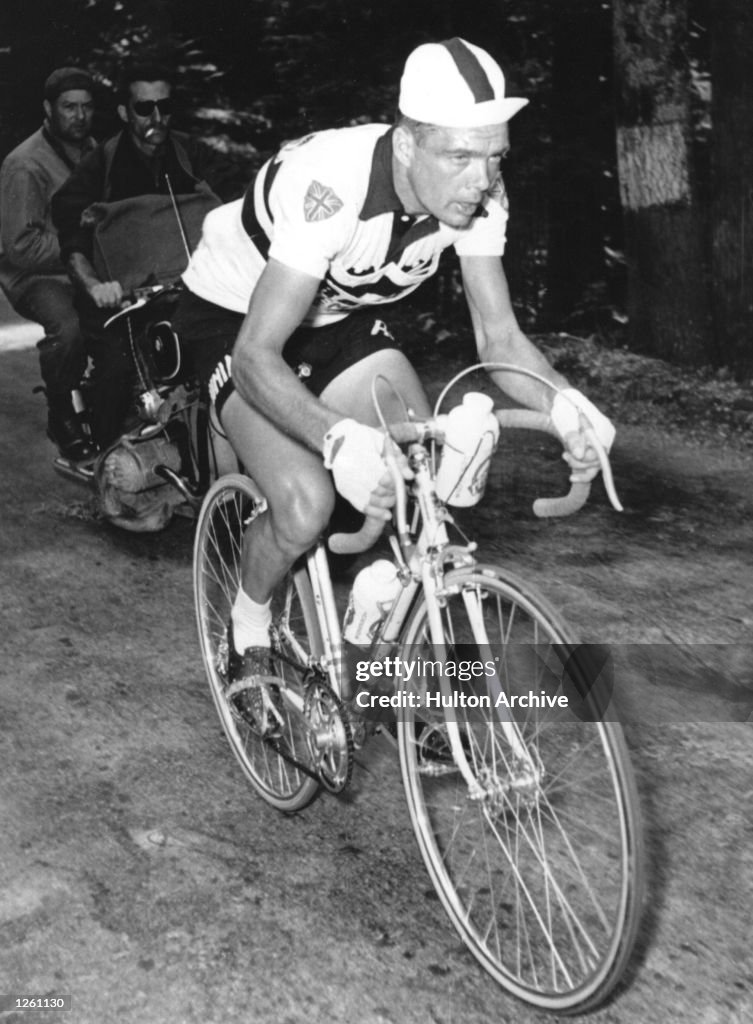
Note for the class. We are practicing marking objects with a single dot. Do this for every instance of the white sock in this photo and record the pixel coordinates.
(251, 622)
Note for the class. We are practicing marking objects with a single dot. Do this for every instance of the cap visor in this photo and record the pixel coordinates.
(512, 105)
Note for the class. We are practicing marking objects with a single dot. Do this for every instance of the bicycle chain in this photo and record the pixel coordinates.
(338, 779)
(276, 744)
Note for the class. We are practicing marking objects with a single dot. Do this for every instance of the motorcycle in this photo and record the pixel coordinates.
(163, 461)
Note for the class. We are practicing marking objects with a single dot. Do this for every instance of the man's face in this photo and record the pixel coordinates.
(452, 169)
(70, 115)
(147, 114)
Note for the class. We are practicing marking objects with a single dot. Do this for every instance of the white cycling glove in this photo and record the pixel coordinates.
(353, 452)
(566, 407)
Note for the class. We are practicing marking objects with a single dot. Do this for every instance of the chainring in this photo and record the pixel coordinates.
(330, 735)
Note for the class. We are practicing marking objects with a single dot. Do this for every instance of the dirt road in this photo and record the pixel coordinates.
(140, 875)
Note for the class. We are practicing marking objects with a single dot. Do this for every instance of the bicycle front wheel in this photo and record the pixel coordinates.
(228, 507)
(540, 868)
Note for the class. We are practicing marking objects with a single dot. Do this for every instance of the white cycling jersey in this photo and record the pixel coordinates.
(326, 205)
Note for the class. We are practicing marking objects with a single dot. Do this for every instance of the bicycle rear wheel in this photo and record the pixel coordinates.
(228, 507)
(541, 872)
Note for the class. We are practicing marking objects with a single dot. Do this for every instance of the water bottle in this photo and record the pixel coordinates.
(374, 590)
(470, 440)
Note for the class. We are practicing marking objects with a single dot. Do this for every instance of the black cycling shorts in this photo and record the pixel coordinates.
(317, 354)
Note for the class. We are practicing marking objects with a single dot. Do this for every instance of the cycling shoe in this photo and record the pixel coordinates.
(252, 690)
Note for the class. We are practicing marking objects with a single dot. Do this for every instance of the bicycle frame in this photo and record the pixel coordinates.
(421, 566)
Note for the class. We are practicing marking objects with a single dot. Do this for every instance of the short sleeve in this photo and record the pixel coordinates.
(312, 219)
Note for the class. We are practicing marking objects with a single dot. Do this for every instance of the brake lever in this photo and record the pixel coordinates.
(606, 468)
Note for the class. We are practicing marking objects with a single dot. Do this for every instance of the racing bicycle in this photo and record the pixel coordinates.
(527, 819)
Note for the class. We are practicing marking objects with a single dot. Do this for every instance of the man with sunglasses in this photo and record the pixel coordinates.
(118, 228)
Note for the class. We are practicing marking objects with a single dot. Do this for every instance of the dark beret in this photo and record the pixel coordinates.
(64, 79)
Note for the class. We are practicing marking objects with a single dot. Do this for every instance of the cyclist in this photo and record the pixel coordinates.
(335, 225)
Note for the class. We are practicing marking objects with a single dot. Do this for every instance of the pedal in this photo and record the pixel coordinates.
(434, 751)
(81, 472)
(185, 511)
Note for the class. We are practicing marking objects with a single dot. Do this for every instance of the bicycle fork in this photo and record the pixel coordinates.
(472, 602)
(436, 631)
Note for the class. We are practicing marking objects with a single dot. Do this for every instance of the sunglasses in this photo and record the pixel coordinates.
(145, 108)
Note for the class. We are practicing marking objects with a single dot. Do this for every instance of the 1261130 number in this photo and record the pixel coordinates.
(19, 1002)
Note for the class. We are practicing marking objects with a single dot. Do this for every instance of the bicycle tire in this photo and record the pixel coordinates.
(226, 509)
(544, 886)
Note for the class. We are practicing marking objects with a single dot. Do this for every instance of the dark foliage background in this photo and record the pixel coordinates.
(256, 72)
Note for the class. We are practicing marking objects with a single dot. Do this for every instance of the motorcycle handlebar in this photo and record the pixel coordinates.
(137, 299)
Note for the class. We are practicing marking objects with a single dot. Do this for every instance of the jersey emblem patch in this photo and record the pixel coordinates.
(320, 202)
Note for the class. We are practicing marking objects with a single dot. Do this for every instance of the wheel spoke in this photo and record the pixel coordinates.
(540, 870)
(226, 511)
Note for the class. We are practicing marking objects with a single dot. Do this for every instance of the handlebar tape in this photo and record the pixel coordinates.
(354, 543)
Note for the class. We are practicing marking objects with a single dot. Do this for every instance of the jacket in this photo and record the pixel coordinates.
(29, 177)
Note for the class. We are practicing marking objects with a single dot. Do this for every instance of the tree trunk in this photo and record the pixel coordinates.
(667, 294)
(732, 176)
(582, 151)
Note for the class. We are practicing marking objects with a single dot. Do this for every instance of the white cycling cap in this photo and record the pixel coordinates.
(455, 84)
